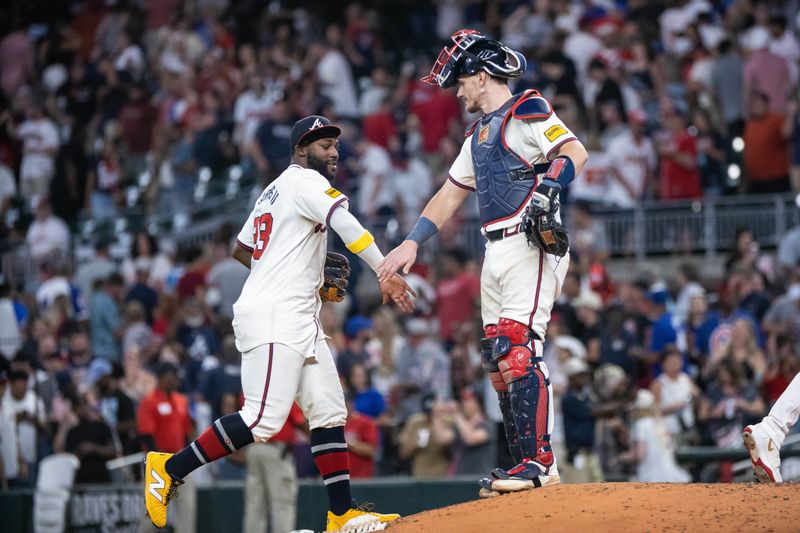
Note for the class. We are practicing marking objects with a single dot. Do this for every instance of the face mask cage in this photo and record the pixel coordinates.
(442, 72)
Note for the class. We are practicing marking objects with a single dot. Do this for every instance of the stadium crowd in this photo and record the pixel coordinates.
(121, 353)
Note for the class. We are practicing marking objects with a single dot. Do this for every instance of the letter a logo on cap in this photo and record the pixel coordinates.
(317, 124)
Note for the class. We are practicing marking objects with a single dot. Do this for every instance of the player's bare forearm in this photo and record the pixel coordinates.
(576, 152)
(241, 255)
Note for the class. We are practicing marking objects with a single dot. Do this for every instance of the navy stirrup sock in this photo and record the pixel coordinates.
(330, 455)
(225, 436)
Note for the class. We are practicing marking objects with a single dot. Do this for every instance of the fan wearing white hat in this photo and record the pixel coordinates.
(652, 444)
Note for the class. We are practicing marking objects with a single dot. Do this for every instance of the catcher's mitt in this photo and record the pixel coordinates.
(337, 270)
(545, 231)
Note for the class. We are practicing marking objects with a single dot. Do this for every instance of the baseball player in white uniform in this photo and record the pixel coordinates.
(276, 320)
(517, 157)
(764, 440)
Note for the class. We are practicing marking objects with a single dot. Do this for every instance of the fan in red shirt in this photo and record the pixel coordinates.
(361, 434)
(163, 417)
(436, 110)
(680, 175)
(457, 293)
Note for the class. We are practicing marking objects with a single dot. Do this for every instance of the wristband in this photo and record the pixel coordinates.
(562, 170)
(423, 230)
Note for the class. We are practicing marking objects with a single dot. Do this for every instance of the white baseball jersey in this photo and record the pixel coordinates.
(535, 140)
(286, 233)
(634, 160)
(592, 183)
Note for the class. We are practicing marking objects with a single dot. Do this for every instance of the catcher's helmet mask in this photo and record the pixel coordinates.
(472, 52)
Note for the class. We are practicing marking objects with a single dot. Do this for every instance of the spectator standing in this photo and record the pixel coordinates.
(766, 72)
(631, 163)
(358, 331)
(13, 468)
(377, 194)
(423, 367)
(366, 400)
(711, 154)
(653, 450)
(471, 435)
(105, 319)
(411, 182)
(104, 182)
(90, 440)
(47, 234)
(141, 292)
(252, 107)
(166, 426)
(268, 146)
(363, 442)
(10, 327)
(226, 378)
(144, 246)
(784, 44)
(334, 73)
(40, 143)
(766, 150)
(727, 83)
(137, 334)
(577, 407)
(674, 393)
(8, 191)
(677, 150)
(227, 276)
(137, 119)
(271, 483)
(117, 409)
(457, 293)
(22, 403)
(422, 439)
(98, 268)
(17, 58)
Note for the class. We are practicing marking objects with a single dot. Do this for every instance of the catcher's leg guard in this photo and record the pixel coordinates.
(528, 387)
(503, 397)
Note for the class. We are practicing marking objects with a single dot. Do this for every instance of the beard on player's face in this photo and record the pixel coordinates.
(323, 159)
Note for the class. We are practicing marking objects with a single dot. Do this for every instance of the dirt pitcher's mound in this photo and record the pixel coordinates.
(629, 507)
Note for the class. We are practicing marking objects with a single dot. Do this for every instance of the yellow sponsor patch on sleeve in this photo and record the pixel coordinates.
(333, 193)
(554, 132)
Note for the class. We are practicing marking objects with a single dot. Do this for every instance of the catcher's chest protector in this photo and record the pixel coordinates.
(503, 179)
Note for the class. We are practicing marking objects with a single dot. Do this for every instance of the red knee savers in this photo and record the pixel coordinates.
(490, 332)
(514, 353)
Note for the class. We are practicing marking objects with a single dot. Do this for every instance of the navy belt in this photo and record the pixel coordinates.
(500, 234)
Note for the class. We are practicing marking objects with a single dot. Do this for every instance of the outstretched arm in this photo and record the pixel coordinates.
(439, 210)
(361, 242)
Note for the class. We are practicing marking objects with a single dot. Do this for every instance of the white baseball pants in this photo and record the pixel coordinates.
(275, 375)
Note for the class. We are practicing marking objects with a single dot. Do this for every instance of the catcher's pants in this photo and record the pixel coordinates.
(520, 282)
(275, 375)
(270, 489)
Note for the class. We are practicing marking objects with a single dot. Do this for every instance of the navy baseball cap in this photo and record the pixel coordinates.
(312, 128)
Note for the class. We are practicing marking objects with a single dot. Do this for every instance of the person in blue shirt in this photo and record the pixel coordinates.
(366, 399)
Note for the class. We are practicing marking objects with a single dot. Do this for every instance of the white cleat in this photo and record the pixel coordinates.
(764, 453)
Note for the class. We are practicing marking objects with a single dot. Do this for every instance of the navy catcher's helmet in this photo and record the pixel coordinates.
(471, 53)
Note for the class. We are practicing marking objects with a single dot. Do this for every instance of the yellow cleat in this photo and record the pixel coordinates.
(359, 520)
(159, 487)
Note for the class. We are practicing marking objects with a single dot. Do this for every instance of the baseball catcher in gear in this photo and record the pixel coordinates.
(337, 270)
(540, 223)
